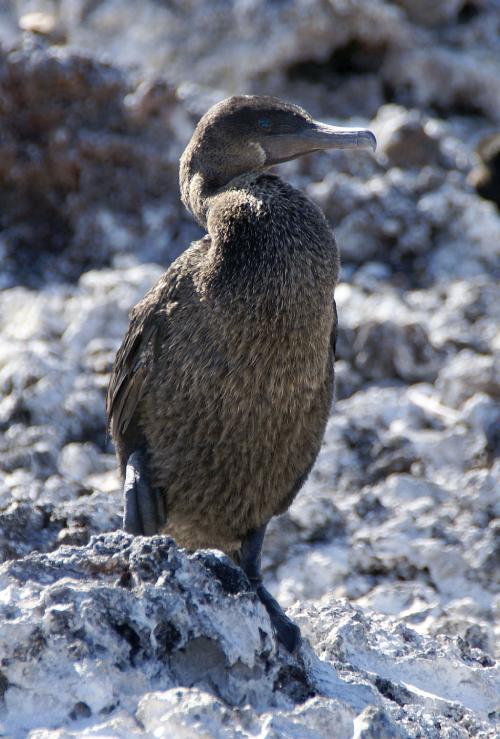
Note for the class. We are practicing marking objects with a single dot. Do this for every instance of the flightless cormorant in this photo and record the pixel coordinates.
(221, 389)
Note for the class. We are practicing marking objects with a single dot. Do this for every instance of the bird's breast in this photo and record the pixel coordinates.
(238, 415)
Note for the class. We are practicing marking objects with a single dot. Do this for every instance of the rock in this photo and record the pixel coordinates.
(91, 167)
(133, 624)
(446, 77)
(371, 276)
(375, 723)
(26, 527)
(353, 641)
(481, 412)
(283, 36)
(429, 13)
(467, 374)
(467, 245)
(485, 176)
(384, 350)
(347, 380)
(44, 25)
(136, 634)
(78, 461)
(357, 47)
(317, 518)
(404, 138)
(487, 557)
(468, 316)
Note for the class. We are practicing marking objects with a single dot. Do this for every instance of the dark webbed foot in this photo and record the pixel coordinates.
(141, 514)
(286, 631)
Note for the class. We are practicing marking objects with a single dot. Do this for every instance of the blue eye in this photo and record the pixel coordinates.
(265, 123)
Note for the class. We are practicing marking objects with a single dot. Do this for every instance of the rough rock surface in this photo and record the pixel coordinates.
(88, 165)
(390, 557)
(133, 637)
(443, 54)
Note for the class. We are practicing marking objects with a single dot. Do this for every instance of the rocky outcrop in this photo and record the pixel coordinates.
(442, 54)
(136, 638)
(88, 165)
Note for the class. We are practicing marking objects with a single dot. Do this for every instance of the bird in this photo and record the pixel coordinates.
(221, 389)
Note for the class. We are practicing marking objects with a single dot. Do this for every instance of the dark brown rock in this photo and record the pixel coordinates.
(82, 158)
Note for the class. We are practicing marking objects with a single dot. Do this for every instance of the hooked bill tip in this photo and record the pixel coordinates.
(367, 138)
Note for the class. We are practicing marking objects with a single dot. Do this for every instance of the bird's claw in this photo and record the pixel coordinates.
(287, 632)
(140, 509)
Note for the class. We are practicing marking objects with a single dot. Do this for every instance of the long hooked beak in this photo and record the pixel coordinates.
(316, 137)
(323, 136)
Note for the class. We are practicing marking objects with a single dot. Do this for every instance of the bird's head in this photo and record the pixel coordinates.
(251, 132)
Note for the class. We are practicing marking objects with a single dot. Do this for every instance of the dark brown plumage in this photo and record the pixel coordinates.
(225, 377)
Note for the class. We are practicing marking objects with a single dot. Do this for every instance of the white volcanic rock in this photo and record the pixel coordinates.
(99, 624)
(246, 45)
(417, 543)
(429, 13)
(406, 138)
(240, 40)
(469, 245)
(186, 713)
(468, 373)
(133, 637)
(427, 678)
(448, 77)
(54, 365)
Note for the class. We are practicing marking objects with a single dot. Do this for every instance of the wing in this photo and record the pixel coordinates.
(131, 368)
(145, 336)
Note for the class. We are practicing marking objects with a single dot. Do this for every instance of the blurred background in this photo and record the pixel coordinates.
(97, 100)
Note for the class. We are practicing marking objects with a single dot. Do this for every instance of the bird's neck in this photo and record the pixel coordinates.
(197, 192)
(270, 243)
(203, 182)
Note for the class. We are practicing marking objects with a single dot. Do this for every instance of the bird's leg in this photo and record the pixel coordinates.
(250, 553)
(142, 510)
